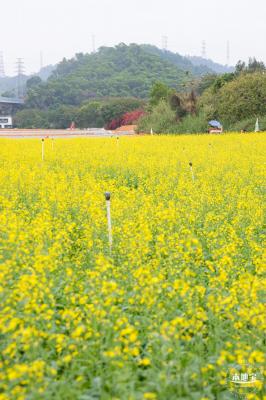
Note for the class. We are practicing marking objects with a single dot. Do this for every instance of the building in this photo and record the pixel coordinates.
(9, 106)
(6, 122)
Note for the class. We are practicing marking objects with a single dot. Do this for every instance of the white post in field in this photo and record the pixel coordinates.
(191, 169)
(42, 149)
(257, 126)
(109, 220)
(151, 131)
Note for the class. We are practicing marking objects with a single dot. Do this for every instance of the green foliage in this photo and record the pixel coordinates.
(159, 92)
(59, 118)
(91, 114)
(185, 63)
(222, 80)
(101, 112)
(33, 82)
(248, 125)
(161, 119)
(252, 66)
(241, 98)
(31, 118)
(206, 82)
(122, 71)
(192, 124)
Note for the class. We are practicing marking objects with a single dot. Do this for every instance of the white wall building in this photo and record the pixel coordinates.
(5, 122)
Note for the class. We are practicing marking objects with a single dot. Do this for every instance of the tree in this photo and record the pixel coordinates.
(206, 82)
(31, 118)
(240, 67)
(33, 82)
(255, 66)
(128, 118)
(241, 98)
(161, 119)
(177, 105)
(159, 92)
(252, 66)
(89, 115)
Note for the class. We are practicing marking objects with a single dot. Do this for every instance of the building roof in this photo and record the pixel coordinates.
(11, 100)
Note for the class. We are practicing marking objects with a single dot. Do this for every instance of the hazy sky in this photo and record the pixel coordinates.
(61, 28)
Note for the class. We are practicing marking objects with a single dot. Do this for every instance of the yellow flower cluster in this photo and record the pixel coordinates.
(178, 299)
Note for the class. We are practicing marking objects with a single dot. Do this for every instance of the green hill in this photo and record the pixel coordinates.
(121, 71)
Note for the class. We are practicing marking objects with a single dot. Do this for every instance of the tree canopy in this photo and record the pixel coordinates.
(122, 71)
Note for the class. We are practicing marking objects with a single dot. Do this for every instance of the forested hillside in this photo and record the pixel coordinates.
(122, 71)
(199, 62)
(100, 89)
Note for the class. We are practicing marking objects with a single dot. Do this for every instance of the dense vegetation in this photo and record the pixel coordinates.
(86, 87)
(123, 71)
(236, 99)
(169, 92)
(173, 310)
(95, 113)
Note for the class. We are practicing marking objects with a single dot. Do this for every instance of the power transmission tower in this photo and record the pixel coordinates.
(93, 43)
(227, 52)
(19, 70)
(165, 43)
(203, 50)
(41, 60)
(2, 67)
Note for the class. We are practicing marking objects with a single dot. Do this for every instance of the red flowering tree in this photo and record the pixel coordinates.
(129, 118)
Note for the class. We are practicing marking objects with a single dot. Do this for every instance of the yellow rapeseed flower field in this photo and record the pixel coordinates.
(177, 302)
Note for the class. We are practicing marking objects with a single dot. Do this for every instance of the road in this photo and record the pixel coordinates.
(58, 133)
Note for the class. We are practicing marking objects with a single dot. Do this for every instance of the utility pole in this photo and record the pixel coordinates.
(203, 49)
(164, 43)
(19, 70)
(228, 53)
(93, 43)
(41, 60)
(2, 67)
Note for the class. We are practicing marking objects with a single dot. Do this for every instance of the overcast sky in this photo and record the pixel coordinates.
(59, 28)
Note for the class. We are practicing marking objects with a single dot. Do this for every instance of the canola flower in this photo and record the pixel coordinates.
(180, 298)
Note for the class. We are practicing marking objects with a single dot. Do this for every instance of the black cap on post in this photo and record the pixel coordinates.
(42, 139)
(107, 196)
(190, 164)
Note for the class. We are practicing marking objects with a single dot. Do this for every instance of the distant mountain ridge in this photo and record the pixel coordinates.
(120, 71)
(9, 83)
(182, 62)
(211, 65)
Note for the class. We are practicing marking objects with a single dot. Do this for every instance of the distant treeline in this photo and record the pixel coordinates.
(142, 84)
(236, 99)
